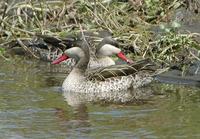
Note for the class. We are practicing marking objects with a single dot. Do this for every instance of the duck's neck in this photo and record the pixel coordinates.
(83, 63)
(77, 75)
(85, 58)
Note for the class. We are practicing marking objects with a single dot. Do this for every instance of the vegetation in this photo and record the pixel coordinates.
(2, 52)
(129, 21)
(174, 47)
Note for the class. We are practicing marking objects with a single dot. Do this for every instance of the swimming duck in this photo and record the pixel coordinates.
(108, 80)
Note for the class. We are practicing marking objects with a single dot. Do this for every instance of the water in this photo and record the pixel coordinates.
(32, 106)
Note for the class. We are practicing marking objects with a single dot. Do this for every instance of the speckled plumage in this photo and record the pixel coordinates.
(116, 90)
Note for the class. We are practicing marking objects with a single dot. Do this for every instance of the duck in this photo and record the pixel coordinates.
(105, 82)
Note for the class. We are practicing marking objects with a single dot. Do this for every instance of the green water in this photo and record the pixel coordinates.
(32, 106)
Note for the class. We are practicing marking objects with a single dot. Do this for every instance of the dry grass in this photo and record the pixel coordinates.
(128, 21)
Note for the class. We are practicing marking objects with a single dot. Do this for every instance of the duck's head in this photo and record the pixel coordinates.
(109, 47)
(75, 52)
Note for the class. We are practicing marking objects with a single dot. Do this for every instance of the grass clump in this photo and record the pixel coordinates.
(174, 47)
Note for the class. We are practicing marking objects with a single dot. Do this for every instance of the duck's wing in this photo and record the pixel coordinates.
(72, 40)
(62, 43)
(121, 70)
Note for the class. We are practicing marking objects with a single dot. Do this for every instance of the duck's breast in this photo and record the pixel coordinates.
(73, 80)
(101, 62)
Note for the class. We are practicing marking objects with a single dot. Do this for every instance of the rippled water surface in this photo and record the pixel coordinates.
(32, 106)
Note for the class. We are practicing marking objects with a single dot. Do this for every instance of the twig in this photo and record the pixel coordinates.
(194, 56)
(18, 29)
(4, 12)
(26, 48)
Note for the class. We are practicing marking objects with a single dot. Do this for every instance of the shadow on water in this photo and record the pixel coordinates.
(32, 106)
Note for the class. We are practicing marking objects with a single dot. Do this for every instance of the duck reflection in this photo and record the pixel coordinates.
(77, 122)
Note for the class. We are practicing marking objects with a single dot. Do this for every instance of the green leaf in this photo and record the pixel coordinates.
(2, 50)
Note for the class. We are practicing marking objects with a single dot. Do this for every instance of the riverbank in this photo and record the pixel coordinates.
(161, 30)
